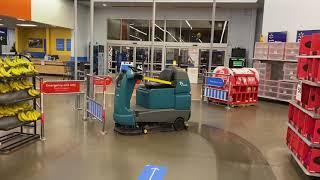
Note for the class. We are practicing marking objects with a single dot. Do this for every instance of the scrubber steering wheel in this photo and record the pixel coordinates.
(137, 75)
(134, 69)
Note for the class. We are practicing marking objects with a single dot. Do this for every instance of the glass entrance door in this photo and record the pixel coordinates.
(118, 54)
(138, 55)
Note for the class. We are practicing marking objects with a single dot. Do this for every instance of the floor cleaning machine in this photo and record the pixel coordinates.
(161, 104)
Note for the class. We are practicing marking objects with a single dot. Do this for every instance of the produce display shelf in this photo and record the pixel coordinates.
(307, 141)
(310, 113)
(12, 122)
(302, 166)
(311, 83)
(13, 141)
(279, 60)
(16, 97)
(17, 77)
(20, 100)
(309, 57)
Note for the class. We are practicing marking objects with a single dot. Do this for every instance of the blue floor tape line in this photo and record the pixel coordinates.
(150, 172)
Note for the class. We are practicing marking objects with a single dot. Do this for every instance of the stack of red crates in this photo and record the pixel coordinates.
(303, 135)
(244, 89)
(241, 86)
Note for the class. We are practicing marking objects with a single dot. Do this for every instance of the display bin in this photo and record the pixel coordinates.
(287, 85)
(291, 66)
(262, 88)
(287, 91)
(261, 50)
(285, 97)
(271, 89)
(261, 93)
(271, 83)
(289, 77)
(291, 51)
(271, 94)
(276, 51)
(232, 86)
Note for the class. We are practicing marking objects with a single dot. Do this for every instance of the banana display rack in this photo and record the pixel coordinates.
(18, 103)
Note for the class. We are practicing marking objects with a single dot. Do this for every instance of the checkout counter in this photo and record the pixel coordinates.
(52, 67)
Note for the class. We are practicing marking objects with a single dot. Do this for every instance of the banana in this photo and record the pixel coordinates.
(34, 115)
(30, 92)
(32, 69)
(19, 117)
(4, 72)
(33, 92)
(36, 92)
(24, 116)
(9, 62)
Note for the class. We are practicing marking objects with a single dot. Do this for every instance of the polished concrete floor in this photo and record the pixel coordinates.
(242, 143)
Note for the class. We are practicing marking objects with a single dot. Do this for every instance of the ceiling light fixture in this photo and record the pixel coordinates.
(188, 24)
(21, 19)
(104, 5)
(1, 24)
(27, 25)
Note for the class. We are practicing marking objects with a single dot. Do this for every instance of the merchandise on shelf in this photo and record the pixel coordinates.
(16, 67)
(303, 135)
(264, 70)
(261, 50)
(291, 51)
(305, 45)
(308, 156)
(279, 68)
(276, 51)
(305, 124)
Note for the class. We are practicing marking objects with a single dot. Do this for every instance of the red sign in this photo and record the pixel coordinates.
(100, 81)
(61, 87)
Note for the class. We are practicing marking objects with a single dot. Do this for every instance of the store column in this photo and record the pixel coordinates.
(75, 39)
(213, 19)
(47, 41)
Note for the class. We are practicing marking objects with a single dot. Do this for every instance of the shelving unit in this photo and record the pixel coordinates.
(15, 140)
(303, 135)
(276, 64)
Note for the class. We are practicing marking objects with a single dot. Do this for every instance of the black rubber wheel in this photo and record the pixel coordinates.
(179, 124)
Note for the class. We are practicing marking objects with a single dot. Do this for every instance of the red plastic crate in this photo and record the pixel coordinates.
(315, 45)
(301, 120)
(313, 163)
(295, 140)
(303, 68)
(289, 136)
(314, 98)
(308, 128)
(291, 113)
(303, 151)
(305, 45)
(306, 89)
(295, 118)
